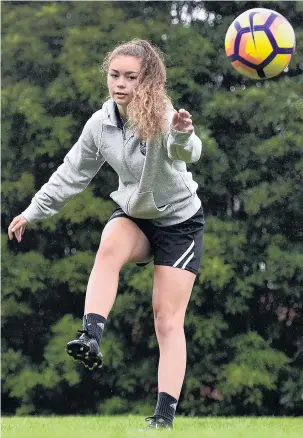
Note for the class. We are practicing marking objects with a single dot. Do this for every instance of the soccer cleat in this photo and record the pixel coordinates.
(157, 422)
(85, 349)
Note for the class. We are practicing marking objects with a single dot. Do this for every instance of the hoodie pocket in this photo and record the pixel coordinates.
(142, 205)
(185, 175)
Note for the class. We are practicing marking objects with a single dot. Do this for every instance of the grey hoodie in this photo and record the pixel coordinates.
(153, 184)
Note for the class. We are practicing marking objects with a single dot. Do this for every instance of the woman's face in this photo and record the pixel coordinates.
(122, 78)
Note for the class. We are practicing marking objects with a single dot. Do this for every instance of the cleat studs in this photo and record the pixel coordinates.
(81, 348)
(69, 351)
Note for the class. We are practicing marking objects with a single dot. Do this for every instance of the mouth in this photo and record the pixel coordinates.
(121, 94)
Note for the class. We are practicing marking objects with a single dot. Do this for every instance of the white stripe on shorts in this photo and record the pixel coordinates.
(188, 260)
(184, 254)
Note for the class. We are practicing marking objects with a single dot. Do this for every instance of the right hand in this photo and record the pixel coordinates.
(17, 227)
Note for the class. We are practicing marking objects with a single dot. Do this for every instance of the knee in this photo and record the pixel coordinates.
(110, 252)
(167, 324)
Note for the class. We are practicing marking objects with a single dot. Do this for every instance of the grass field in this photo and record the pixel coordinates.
(129, 427)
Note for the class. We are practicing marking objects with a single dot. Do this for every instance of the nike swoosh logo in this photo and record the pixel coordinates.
(251, 25)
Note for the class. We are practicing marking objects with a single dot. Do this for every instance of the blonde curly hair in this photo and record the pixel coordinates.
(147, 111)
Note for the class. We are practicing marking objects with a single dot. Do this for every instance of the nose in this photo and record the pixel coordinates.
(121, 83)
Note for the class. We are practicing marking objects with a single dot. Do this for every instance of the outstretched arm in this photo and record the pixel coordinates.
(182, 143)
(80, 165)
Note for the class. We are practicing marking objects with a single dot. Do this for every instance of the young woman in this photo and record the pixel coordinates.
(158, 216)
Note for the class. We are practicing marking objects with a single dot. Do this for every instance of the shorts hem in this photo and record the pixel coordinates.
(194, 271)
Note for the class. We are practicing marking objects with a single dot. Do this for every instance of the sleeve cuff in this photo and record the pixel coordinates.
(32, 213)
(179, 137)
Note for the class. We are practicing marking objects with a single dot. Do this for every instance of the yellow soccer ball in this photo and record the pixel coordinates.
(260, 43)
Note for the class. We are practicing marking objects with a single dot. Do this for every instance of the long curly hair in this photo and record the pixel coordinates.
(147, 111)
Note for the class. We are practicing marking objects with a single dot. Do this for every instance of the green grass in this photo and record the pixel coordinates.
(129, 427)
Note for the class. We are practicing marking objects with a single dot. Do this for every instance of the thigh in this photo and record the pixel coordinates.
(125, 239)
(171, 291)
(180, 246)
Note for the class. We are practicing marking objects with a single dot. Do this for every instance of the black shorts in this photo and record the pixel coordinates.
(179, 246)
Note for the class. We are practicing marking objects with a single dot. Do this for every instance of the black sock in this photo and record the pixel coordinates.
(166, 406)
(94, 325)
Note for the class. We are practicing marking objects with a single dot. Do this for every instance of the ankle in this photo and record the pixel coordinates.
(166, 407)
(94, 325)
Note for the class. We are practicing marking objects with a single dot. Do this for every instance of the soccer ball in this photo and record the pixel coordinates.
(260, 43)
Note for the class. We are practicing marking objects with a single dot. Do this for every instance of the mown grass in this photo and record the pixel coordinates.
(132, 426)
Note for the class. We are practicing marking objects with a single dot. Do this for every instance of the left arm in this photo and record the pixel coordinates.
(181, 142)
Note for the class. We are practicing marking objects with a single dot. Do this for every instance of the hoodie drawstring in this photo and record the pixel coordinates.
(98, 153)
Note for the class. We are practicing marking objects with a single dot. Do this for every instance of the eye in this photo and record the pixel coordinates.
(132, 78)
(113, 75)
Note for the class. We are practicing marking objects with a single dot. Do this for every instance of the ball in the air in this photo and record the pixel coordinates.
(260, 43)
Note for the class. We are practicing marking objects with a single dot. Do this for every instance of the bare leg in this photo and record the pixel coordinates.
(122, 241)
(172, 290)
